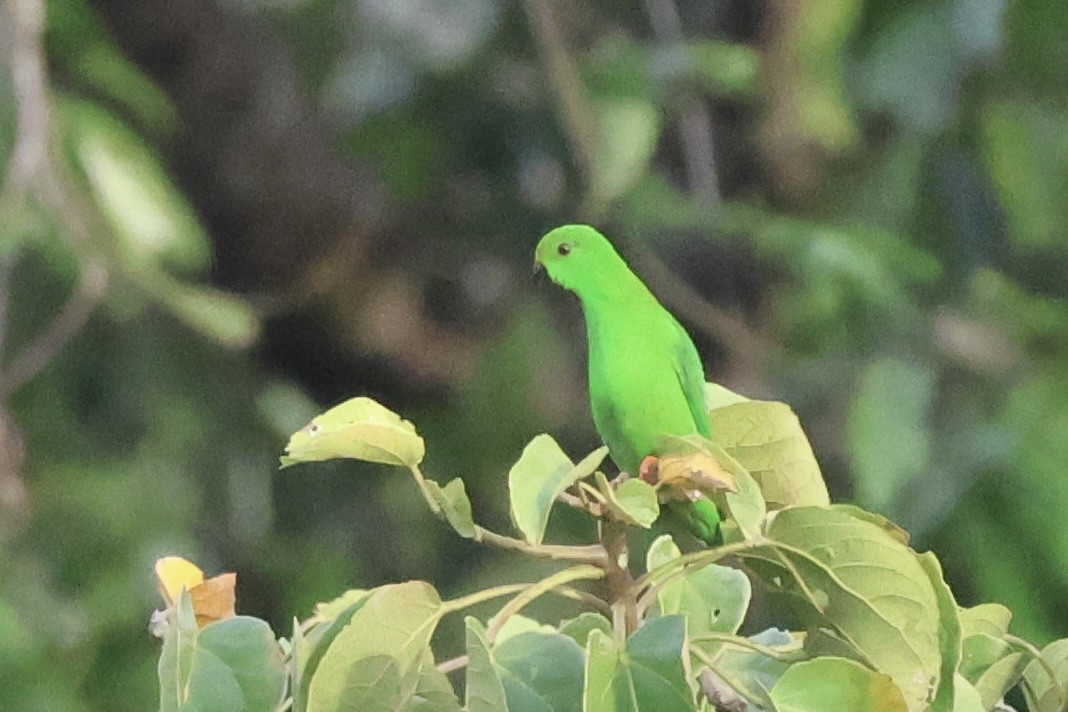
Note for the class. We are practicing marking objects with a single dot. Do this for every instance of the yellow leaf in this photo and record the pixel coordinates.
(213, 599)
(697, 469)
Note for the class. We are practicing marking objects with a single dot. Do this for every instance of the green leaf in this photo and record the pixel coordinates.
(649, 674)
(309, 649)
(716, 396)
(541, 671)
(966, 697)
(360, 429)
(1042, 693)
(232, 664)
(628, 130)
(580, 627)
(217, 314)
(540, 475)
(374, 661)
(145, 209)
(992, 666)
(485, 690)
(835, 684)
(949, 637)
(989, 618)
(766, 438)
(888, 433)
(454, 504)
(745, 508)
(634, 501)
(863, 584)
(713, 598)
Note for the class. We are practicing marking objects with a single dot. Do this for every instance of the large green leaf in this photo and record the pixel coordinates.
(360, 429)
(835, 684)
(540, 475)
(232, 664)
(766, 438)
(1043, 693)
(988, 662)
(648, 674)
(713, 598)
(863, 584)
(374, 661)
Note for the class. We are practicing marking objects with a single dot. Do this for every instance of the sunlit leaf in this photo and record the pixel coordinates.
(633, 501)
(540, 475)
(374, 661)
(766, 438)
(835, 684)
(753, 673)
(433, 692)
(454, 504)
(360, 429)
(334, 616)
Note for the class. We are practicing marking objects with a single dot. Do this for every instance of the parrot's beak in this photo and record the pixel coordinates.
(539, 268)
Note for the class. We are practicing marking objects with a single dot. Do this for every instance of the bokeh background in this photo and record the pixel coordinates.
(219, 217)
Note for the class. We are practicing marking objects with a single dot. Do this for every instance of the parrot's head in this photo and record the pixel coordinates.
(579, 259)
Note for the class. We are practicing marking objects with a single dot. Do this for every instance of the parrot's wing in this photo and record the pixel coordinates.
(691, 377)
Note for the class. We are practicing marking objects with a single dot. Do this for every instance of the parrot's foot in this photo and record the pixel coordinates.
(649, 469)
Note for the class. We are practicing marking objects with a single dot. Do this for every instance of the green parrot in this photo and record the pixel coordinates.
(646, 378)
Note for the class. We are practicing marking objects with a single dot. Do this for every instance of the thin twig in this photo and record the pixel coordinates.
(1035, 653)
(92, 284)
(737, 640)
(695, 121)
(572, 103)
(453, 664)
(590, 554)
(560, 578)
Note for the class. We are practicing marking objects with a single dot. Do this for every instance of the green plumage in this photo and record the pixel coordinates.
(646, 378)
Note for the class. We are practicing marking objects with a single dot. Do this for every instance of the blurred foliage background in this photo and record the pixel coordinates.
(220, 216)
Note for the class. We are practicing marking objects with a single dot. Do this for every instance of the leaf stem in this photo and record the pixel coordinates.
(582, 572)
(786, 656)
(1035, 653)
(453, 664)
(591, 554)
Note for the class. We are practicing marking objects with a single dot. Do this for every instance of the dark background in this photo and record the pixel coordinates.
(219, 218)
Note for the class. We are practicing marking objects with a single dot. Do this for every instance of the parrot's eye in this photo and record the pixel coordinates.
(564, 249)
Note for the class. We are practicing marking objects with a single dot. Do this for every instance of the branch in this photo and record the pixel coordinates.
(584, 572)
(695, 123)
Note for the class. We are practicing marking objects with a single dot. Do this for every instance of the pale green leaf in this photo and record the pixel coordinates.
(540, 475)
(360, 429)
(308, 651)
(837, 684)
(1044, 694)
(750, 672)
(634, 501)
(766, 438)
(949, 636)
(989, 618)
(628, 130)
(433, 692)
(966, 697)
(454, 504)
(386, 636)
